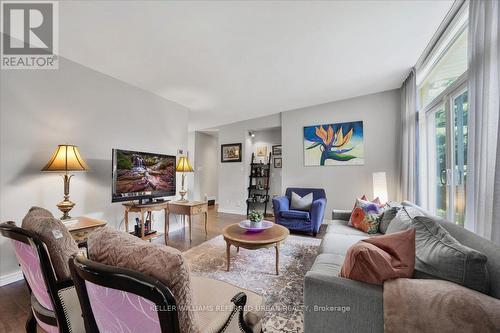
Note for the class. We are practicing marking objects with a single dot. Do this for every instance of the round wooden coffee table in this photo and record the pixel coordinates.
(239, 237)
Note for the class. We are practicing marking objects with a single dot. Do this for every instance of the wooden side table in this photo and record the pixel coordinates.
(80, 227)
(189, 209)
(141, 209)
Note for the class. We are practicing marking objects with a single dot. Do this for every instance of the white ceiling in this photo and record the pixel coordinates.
(229, 61)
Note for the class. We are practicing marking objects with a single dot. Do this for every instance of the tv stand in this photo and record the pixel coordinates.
(142, 208)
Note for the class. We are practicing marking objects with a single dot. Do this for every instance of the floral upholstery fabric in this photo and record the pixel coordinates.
(119, 311)
(30, 265)
(366, 216)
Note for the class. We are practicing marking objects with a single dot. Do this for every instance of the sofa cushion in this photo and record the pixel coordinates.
(387, 217)
(403, 219)
(366, 216)
(111, 247)
(295, 214)
(301, 203)
(327, 263)
(478, 243)
(213, 297)
(441, 255)
(377, 259)
(339, 244)
(60, 244)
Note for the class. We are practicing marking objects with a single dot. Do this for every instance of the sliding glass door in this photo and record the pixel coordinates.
(460, 108)
(446, 156)
(437, 161)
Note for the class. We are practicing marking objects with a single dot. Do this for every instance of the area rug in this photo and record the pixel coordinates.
(255, 270)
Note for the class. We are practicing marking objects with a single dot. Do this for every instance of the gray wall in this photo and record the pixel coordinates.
(380, 115)
(205, 166)
(234, 176)
(74, 104)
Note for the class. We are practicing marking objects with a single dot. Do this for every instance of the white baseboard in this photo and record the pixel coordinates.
(231, 211)
(10, 278)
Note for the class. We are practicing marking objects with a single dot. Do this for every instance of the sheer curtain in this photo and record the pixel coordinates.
(483, 159)
(408, 163)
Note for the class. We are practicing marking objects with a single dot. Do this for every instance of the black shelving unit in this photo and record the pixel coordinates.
(258, 188)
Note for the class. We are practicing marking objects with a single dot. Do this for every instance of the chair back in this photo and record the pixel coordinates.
(318, 193)
(115, 298)
(34, 260)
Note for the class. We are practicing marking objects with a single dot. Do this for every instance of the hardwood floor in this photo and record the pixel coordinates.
(14, 298)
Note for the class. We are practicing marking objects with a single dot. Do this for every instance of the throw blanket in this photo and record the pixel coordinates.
(424, 305)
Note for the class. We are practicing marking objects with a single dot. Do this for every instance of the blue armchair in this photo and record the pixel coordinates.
(298, 220)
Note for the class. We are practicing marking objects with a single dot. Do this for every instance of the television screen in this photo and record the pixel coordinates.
(139, 175)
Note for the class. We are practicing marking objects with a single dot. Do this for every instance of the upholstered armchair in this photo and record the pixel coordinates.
(147, 287)
(54, 302)
(299, 220)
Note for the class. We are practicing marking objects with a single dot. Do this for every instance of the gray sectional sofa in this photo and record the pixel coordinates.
(335, 304)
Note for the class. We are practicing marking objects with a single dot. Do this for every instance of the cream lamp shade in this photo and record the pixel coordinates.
(66, 158)
(183, 165)
(380, 186)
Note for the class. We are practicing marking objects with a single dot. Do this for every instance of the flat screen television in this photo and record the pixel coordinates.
(139, 175)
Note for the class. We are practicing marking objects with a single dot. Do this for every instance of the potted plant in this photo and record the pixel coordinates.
(255, 218)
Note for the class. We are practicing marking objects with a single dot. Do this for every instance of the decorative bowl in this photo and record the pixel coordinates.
(249, 226)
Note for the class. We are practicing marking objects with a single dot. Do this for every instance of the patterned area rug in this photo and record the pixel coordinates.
(255, 270)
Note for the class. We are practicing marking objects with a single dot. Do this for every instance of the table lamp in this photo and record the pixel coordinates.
(66, 158)
(380, 186)
(183, 166)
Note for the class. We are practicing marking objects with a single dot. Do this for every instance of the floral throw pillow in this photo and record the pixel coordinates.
(364, 198)
(366, 216)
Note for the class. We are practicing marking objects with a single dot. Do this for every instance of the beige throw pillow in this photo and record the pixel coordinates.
(111, 247)
(60, 244)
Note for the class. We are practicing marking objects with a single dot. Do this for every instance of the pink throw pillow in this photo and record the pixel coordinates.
(381, 258)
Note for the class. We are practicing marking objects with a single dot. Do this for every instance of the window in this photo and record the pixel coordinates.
(445, 72)
(443, 108)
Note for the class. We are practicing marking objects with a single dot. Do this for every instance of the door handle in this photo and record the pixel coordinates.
(442, 177)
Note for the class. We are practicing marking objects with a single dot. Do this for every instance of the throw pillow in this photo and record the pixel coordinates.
(60, 244)
(301, 203)
(111, 247)
(403, 219)
(440, 255)
(389, 215)
(381, 258)
(364, 198)
(366, 216)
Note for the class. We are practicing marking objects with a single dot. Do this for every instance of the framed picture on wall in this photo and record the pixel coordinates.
(334, 144)
(277, 150)
(230, 152)
(277, 162)
(261, 151)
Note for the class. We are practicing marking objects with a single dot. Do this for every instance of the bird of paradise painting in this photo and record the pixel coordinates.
(334, 144)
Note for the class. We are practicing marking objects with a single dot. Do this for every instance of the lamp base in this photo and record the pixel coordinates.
(65, 207)
(183, 193)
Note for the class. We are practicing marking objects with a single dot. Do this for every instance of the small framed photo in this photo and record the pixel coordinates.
(277, 162)
(230, 152)
(277, 150)
(262, 151)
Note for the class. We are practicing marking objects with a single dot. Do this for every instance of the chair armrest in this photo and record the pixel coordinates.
(348, 305)
(341, 214)
(317, 213)
(280, 204)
